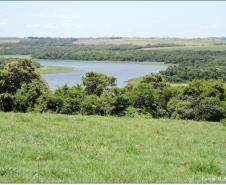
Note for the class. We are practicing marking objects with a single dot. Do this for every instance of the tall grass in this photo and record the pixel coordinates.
(50, 148)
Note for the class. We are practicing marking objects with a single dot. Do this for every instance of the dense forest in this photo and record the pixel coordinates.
(22, 89)
(191, 64)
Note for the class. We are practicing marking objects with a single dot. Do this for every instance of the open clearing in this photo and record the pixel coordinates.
(56, 69)
(52, 148)
(151, 41)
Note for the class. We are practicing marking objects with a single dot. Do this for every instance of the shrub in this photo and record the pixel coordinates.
(20, 72)
(50, 102)
(210, 109)
(180, 109)
(97, 83)
(136, 112)
(143, 96)
(27, 96)
(7, 102)
(89, 106)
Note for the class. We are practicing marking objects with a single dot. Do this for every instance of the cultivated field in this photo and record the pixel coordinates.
(51, 148)
(151, 41)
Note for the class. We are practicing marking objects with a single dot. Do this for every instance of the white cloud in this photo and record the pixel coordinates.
(66, 24)
(3, 23)
(59, 16)
(47, 26)
(50, 26)
(33, 25)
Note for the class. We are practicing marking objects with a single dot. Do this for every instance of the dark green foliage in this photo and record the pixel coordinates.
(27, 96)
(180, 109)
(97, 83)
(90, 105)
(210, 109)
(6, 102)
(200, 100)
(20, 86)
(50, 102)
(157, 80)
(23, 90)
(212, 68)
(136, 112)
(121, 101)
(72, 99)
(17, 73)
(143, 96)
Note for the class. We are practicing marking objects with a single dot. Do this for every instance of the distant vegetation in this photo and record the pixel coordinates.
(196, 58)
(23, 90)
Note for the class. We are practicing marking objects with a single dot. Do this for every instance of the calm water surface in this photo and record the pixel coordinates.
(122, 71)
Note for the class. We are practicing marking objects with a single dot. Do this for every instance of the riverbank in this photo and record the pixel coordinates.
(56, 69)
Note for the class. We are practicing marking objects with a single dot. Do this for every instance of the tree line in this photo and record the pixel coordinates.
(22, 89)
(190, 64)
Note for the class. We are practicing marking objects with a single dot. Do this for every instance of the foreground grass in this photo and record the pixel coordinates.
(58, 148)
(56, 69)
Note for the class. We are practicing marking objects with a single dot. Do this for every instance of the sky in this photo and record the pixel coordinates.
(186, 19)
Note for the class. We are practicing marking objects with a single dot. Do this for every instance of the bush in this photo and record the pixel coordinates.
(143, 96)
(136, 113)
(180, 109)
(27, 96)
(20, 72)
(50, 102)
(210, 109)
(89, 106)
(72, 98)
(7, 102)
(97, 83)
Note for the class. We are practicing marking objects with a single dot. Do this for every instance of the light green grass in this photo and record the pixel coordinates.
(56, 69)
(16, 56)
(193, 48)
(134, 81)
(151, 41)
(9, 40)
(45, 148)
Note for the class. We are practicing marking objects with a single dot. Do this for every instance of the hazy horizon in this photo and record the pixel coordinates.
(113, 19)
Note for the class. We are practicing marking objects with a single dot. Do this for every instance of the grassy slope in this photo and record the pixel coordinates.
(57, 148)
(56, 69)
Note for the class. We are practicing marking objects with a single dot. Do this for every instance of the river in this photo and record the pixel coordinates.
(123, 71)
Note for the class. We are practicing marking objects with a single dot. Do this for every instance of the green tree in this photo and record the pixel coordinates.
(27, 96)
(19, 72)
(180, 109)
(210, 109)
(72, 98)
(157, 80)
(90, 105)
(97, 83)
(143, 96)
(7, 102)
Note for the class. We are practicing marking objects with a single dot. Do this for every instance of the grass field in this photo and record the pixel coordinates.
(51, 148)
(56, 69)
(15, 56)
(151, 41)
(9, 40)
